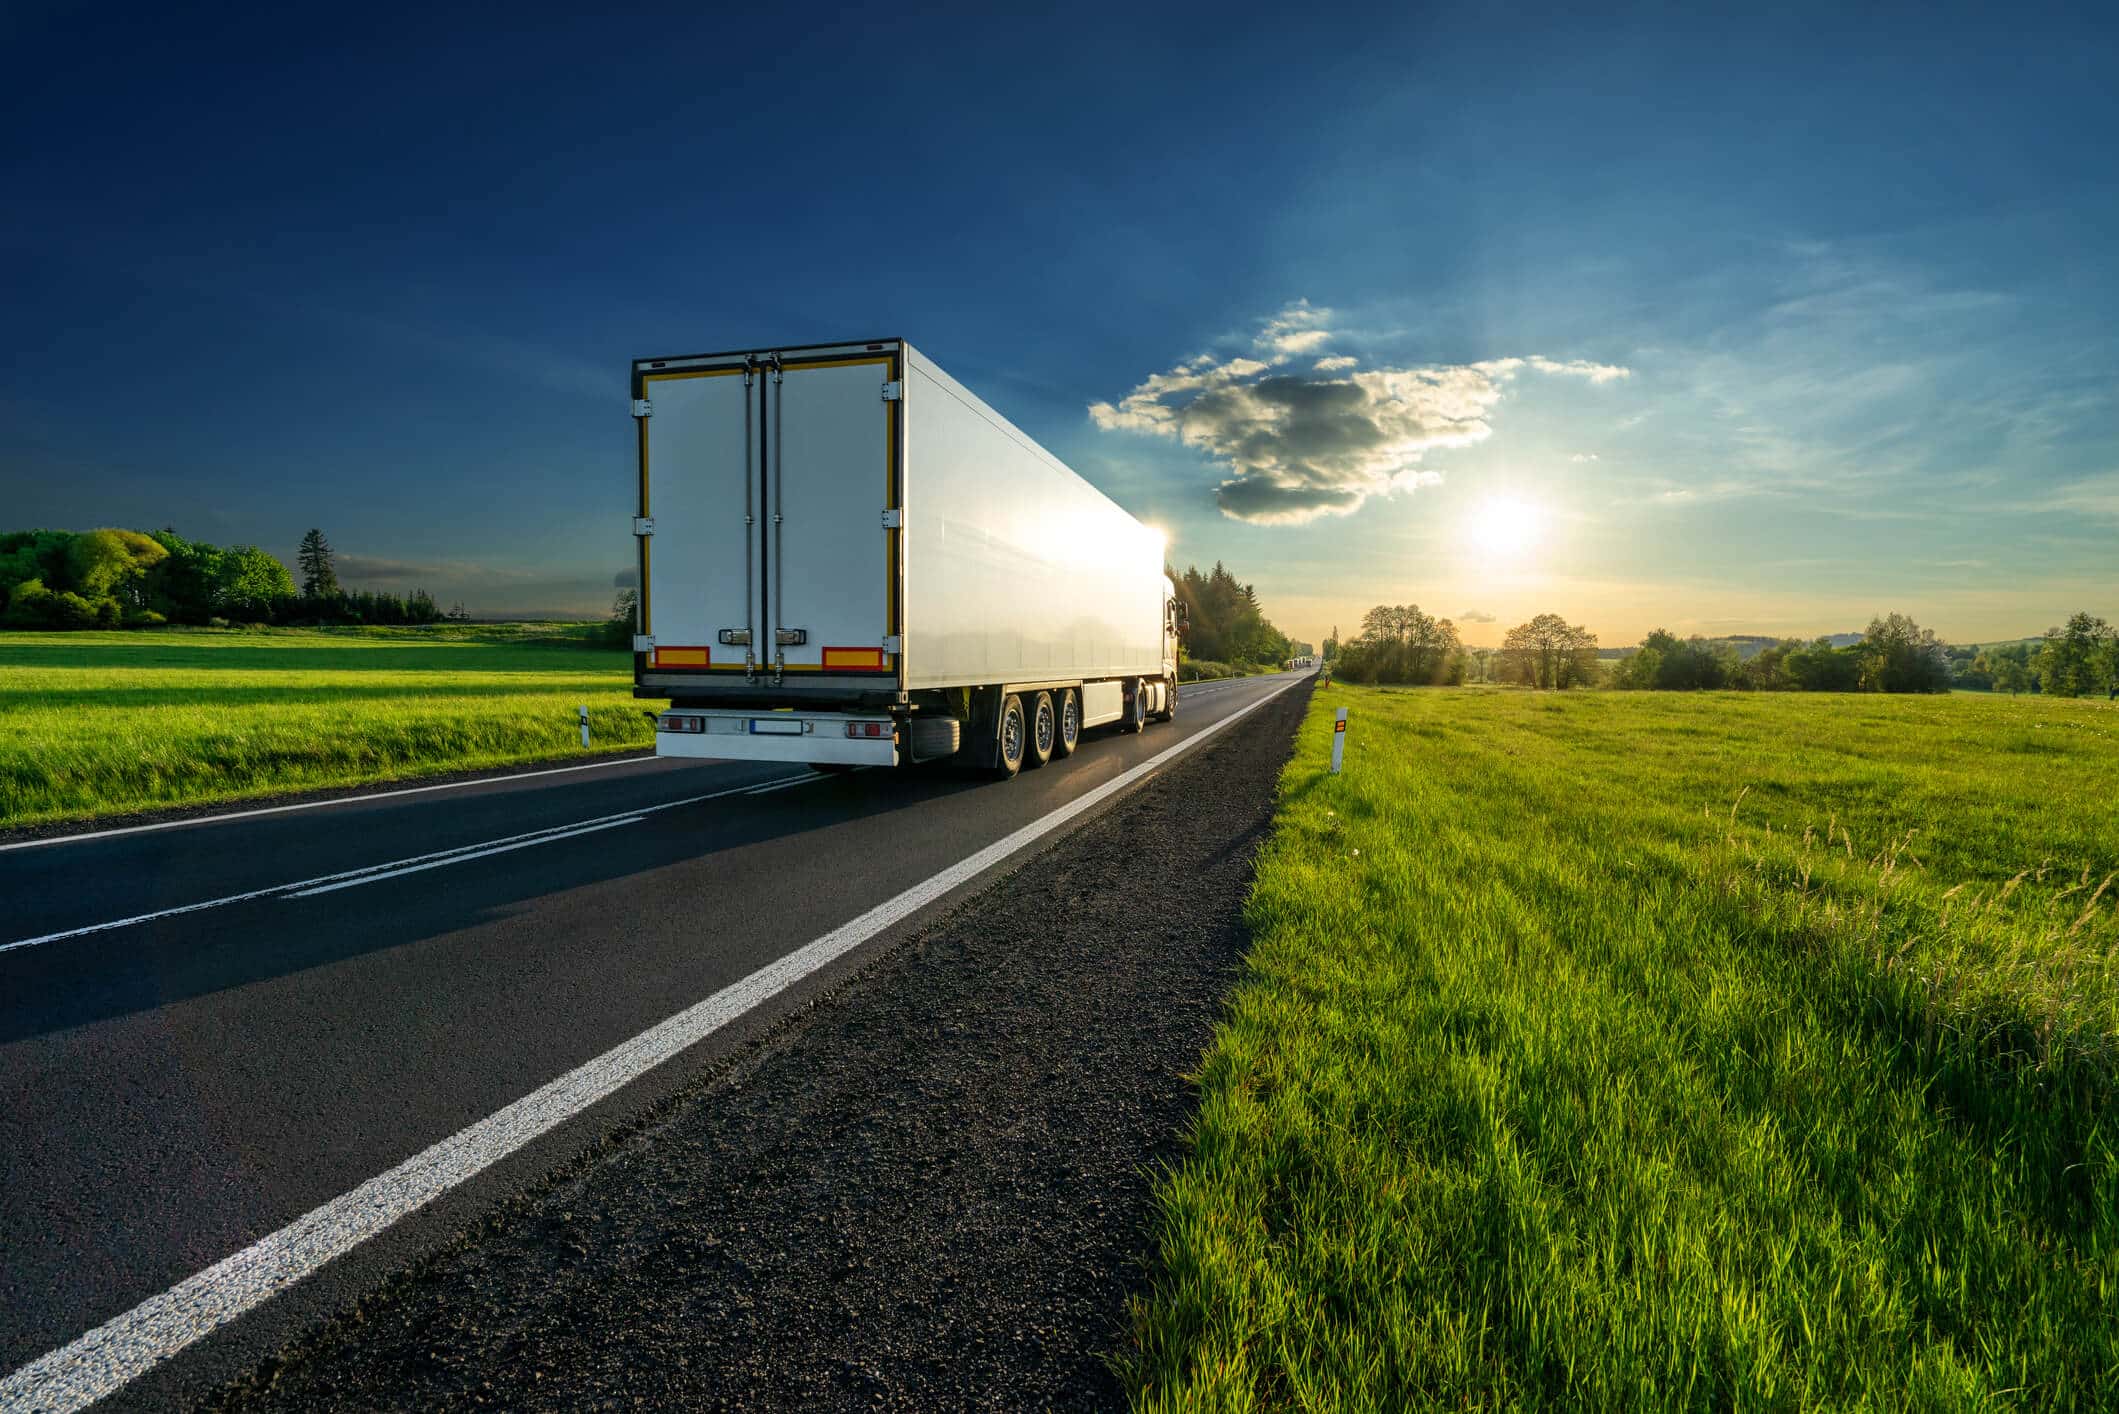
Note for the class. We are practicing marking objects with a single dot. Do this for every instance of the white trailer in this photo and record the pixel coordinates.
(848, 559)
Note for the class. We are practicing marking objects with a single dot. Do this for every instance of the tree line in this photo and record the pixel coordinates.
(1401, 644)
(110, 578)
(1226, 623)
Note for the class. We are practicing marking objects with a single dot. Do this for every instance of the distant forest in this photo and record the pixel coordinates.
(63, 579)
(1401, 644)
(1227, 625)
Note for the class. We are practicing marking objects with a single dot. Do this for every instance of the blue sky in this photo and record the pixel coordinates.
(1739, 323)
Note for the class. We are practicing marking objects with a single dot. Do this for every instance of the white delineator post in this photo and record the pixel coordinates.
(585, 723)
(1338, 740)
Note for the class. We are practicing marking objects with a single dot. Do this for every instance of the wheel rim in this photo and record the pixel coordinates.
(1044, 728)
(1012, 735)
(1070, 720)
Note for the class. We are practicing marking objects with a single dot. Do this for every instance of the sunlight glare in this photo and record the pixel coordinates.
(1504, 525)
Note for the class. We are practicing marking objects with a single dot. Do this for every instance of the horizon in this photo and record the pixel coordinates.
(1767, 325)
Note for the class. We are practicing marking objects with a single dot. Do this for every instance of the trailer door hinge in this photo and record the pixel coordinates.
(892, 643)
(893, 391)
(643, 408)
(643, 525)
(643, 643)
(893, 519)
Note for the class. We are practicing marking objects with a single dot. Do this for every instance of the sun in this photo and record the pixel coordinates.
(1505, 526)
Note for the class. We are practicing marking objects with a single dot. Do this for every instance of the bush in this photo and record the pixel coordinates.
(29, 606)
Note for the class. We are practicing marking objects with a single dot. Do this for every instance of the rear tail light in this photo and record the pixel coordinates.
(869, 730)
(677, 723)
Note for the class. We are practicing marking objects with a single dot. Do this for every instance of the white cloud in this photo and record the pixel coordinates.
(1473, 616)
(2095, 496)
(1304, 445)
(1300, 328)
(1583, 457)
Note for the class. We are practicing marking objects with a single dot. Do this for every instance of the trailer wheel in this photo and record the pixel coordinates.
(1136, 718)
(1169, 712)
(1010, 747)
(1069, 733)
(1044, 730)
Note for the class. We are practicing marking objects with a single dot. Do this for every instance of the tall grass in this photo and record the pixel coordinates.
(1663, 1052)
(102, 723)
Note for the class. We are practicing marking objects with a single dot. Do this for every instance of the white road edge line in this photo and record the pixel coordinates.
(122, 1349)
(460, 858)
(319, 804)
(294, 887)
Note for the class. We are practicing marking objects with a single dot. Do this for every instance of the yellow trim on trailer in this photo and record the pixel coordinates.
(883, 359)
(647, 612)
(690, 373)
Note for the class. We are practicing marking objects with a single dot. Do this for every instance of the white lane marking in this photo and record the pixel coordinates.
(445, 855)
(127, 1346)
(789, 785)
(460, 858)
(320, 804)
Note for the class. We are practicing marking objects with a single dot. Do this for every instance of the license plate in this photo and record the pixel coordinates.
(775, 726)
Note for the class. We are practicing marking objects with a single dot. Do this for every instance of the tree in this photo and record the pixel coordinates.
(1767, 669)
(1401, 644)
(2011, 668)
(1227, 624)
(1823, 668)
(251, 584)
(113, 565)
(319, 578)
(1669, 663)
(1550, 652)
(2077, 658)
(1898, 655)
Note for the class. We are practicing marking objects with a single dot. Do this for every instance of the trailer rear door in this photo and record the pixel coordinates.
(770, 488)
(830, 581)
(699, 488)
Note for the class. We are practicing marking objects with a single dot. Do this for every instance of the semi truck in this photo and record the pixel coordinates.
(848, 559)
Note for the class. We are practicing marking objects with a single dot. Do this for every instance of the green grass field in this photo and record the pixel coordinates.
(1658, 1051)
(104, 723)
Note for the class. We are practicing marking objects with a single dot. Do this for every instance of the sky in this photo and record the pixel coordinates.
(1756, 322)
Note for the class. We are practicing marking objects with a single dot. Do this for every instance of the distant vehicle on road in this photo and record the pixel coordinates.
(1298, 664)
(848, 559)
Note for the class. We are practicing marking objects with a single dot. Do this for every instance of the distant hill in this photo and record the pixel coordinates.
(1747, 645)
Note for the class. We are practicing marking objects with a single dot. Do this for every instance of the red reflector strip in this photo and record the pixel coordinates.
(680, 657)
(853, 657)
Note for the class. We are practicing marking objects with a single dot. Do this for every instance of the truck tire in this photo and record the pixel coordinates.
(1008, 750)
(1136, 718)
(1169, 712)
(1042, 722)
(1067, 731)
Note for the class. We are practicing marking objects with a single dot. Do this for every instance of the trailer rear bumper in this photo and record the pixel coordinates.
(809, 738)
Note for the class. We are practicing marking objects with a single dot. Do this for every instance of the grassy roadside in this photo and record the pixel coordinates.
(95, 724)
(1663, 1051)
(1207, 670)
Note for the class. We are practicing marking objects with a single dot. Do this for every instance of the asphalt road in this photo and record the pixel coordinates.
(225, 1025)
